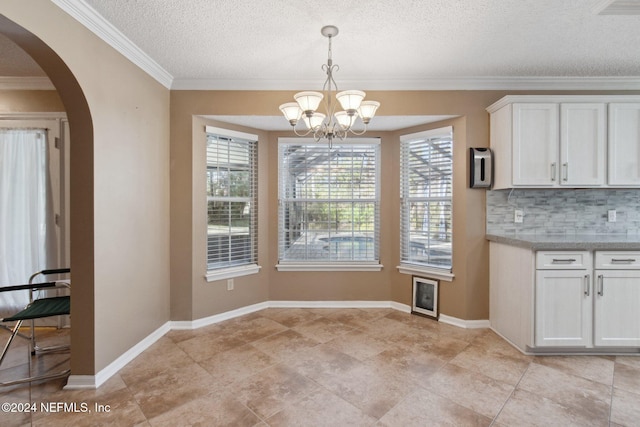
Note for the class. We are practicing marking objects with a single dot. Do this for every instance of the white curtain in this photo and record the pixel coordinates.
(26, 219)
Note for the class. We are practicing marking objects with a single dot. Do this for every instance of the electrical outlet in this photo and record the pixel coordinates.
(229, 284)
(611, 216)
(518, 216)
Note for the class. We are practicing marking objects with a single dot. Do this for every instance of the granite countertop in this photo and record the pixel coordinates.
(568, 241)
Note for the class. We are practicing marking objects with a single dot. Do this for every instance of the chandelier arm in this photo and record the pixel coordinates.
(358, 133)
(302, 134)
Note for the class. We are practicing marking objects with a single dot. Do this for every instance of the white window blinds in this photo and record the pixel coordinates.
(329, 202)
(426, 198)
(231, 201)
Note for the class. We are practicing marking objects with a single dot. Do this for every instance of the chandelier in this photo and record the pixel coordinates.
(330, 124)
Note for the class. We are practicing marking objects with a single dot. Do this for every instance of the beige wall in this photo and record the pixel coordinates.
(137, 199)
(119, 125)
(466, 297)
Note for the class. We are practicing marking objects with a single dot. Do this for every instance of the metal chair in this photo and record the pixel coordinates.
(37, 308)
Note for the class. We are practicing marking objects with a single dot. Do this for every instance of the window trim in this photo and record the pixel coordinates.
(412, 268)
(212, 275)
(325, 265)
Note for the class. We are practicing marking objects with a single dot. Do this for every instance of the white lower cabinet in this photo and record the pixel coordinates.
(566, 301)
(563, 302)
(617, 299)
(574, 308)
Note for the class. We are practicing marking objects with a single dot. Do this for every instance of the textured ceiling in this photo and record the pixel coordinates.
(382, 44)
(278, 43)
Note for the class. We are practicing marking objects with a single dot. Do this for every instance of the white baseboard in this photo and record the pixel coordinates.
(94, 381)
(206, 321)
(331, 304)
(467, 324)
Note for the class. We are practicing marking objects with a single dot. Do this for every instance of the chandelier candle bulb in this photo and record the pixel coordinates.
(315, 121)
(292, 112)
(367, 110)
(350, 100)
(308, 101)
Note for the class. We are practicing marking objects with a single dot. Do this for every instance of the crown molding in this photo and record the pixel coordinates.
(452, 83)
(26, 83)
(97, 24)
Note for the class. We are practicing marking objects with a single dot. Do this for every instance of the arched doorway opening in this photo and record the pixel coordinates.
(81, 191)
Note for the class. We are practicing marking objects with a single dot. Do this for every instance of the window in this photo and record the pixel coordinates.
(231, 202)
(329, 204)
(426, 199)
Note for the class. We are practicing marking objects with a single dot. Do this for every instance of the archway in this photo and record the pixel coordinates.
(81, 188)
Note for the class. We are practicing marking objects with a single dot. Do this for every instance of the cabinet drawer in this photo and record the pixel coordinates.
(563, 260)
(618, 260)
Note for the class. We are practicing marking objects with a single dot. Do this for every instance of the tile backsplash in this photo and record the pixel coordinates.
(577, 211)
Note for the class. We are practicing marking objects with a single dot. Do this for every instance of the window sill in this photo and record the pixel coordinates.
(328, 267)
(433, 273)
(230, 272)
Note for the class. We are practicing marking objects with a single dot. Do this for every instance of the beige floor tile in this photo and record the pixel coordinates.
(208, 411)
(627, 377)
(625, 408)
(358, 318)
(359, 344)
(369, 388)
(186, 334)
(172, 388)
(162, 355)
(338, 367)
(116, 408)
(320, 409)
(398, 332)
(203, 347)
(237, 364)
(253, 329)
(270, 390)
(440, 346)
(423, 408)
(472, 390)
(323, 329)
(289, 317)
(595, 368)
(505, 368)
(323, 363)
(411, 365)
(587, 397)
(285, 345)
(525, 409)
(629, 360)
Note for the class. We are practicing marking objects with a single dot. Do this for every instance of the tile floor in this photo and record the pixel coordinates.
(339, 367)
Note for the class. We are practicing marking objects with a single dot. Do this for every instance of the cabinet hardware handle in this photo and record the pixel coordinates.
(600, 285)
(587, 284)
(553, 171)
(563, 261)
(624, 261)
(565, 166)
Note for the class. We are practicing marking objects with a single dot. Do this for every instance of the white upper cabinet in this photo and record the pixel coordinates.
(535, 144)
(582, 144)
(624, 144)
(562, 141)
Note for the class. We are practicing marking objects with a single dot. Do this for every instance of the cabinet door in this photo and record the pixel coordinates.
(582, 144)
(563, 308)
(617, 308)
(535, 145)
(624, 144)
